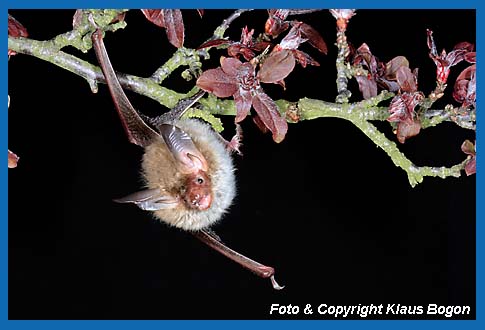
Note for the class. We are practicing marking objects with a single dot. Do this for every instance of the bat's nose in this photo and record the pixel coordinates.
(204, 202)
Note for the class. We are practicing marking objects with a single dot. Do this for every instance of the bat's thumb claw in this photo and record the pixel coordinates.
(275, 284)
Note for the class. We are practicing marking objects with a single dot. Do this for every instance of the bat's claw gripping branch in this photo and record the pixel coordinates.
(236, 141)
(275, 284)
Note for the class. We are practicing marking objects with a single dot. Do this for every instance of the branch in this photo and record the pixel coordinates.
(360, 113)
(343, 73)
(48, 51)
(221, 29)
(182, 57)
(461, 116)
(343, 70)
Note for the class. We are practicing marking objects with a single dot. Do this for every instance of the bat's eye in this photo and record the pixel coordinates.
(200, 180)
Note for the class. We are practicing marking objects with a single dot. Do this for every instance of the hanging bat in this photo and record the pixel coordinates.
(187, 167)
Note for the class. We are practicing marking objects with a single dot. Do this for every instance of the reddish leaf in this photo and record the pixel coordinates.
(364, 56)
(456, 56)
(276, 23)
(469, 148)
(277, 66)
(431, 45)
(12, 159)
(261, 45)
(247, 53)
(314, 38)
(238, 49)
(259, 123)
(247, 36)
(412, 101)
(246, 46)
(468, 47)
(282, 84)
(243, 100)
(270, 116)
(389, 85)
(15, 29)
(471, 57)
(393, 65)
(293, 39)
(471, 166)
(230, 65)
(397, 109)
(402, 107)
(460, 90)
(345, 14)
(174, 25)
(246, 77)
(235, 143)
(279, 13)
(367, 86)
(214, 43)
(171, 20)
(465, 86)
(217, 82)
(406, 79)
(406, 130)
(445, 61)
(467, 73)
(304, 59)
(155, 16)
(362, 53)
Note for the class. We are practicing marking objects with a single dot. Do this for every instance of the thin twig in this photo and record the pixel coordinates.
(221, 29)
(342, 70)
(358, 115)
(302, 11)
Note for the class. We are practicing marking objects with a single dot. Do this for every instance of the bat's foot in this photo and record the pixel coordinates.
(236, 142)
(275, 284)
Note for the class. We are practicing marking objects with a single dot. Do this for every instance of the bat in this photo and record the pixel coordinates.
(187, 167)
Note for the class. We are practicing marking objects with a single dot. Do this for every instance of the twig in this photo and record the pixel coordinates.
(45, 51)
(462, 117)
(183, 56)
(359, 115)
(221, 29)
(302, 11)
(343, 73)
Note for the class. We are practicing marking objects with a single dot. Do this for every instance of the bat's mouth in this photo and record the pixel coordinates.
(201, 202)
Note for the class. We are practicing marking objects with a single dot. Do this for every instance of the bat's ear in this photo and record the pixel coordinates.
(150, 200)
(189, 159)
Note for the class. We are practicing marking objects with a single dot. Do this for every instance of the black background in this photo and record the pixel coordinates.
(326, 207)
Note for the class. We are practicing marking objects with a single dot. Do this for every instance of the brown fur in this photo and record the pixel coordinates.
(160, 171)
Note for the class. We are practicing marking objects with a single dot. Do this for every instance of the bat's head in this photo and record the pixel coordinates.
(198, 191)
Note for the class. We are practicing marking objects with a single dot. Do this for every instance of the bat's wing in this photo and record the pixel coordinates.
(138, 132)
(150, 200)
(189, 159)
(177, 111)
